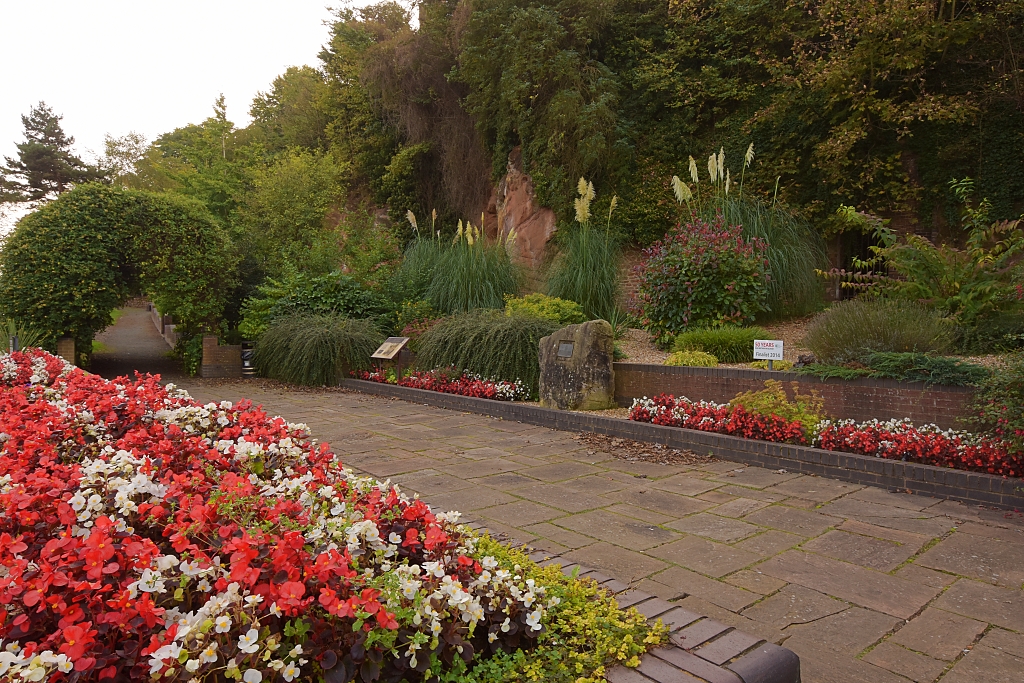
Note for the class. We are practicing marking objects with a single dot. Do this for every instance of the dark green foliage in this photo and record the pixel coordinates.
(994, 333)
(999, 403)
(827, 371)
(556, 310)
(315, 350)
(488, 343)
(851, 330)
(923, 367)
(189, 351)
(302, 293)
(68, 265)
(727, 344)
(45, 166)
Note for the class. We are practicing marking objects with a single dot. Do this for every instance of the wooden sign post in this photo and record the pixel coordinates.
(391, 350)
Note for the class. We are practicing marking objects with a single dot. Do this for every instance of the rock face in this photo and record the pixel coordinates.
(576, 371)
(513, 206)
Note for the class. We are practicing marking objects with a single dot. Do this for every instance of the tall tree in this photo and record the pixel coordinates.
(45, 166)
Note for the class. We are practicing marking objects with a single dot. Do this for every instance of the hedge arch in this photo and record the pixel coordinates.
(68, 265)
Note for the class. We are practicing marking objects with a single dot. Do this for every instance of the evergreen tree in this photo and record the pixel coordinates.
(45, 166)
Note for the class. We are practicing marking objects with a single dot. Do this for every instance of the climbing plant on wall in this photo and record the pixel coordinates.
(68, 265)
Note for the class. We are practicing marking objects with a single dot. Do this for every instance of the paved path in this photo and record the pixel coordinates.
(133, 343)
(866, 586)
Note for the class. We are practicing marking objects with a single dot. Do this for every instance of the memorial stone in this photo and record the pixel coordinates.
(576, 367)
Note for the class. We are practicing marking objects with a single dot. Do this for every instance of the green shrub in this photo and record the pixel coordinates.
(772, 400)
(998, 406)
(701, 275)
(779, 365)
(488, 343)
(314, 350)
(694, 359)
(472, 273)
(997, 332)
(728, 344)
(551, 308)
(68, 265)
(586, 269)
(302, 293)
(923, 367)
(852, 330)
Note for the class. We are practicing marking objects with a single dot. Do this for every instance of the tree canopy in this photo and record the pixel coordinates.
(45, 166)
(69, 264)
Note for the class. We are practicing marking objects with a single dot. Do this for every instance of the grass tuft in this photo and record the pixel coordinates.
(314, 350)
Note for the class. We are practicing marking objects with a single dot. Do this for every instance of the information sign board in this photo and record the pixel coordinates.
(767, 349)
(390, 348)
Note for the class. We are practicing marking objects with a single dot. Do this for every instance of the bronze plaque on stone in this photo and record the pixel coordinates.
(390, 348)
(565, 349)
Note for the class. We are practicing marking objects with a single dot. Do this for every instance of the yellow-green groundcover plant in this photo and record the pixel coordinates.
(588, 633)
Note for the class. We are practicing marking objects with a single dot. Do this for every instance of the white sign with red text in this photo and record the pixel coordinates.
(767, 349)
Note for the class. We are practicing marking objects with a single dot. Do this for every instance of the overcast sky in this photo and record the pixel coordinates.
(113, 66)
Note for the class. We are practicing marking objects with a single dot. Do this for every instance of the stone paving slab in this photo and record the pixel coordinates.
(886, 559)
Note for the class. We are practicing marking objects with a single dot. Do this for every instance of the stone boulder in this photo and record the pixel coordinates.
(576, 371)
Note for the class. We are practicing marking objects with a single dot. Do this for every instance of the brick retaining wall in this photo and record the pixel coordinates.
(859, 399)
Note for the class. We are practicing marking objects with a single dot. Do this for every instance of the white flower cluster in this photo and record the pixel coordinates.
(16, 666)
(205, 634)
(119, 477)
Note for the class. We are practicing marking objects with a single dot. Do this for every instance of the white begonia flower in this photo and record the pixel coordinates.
(204, 585)
(533, 620)
(489, 563)
(248, 642)
(223, 624)
(252, 676)
(290, 672)
(253, 600)
(192, 666)
(209, 655)
(65, 666)
(295, 651)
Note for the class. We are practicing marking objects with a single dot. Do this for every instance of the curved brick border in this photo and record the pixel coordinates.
(969, 487)
(699, 649)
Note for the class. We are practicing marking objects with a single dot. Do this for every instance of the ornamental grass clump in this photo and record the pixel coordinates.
(489, 344)
(315, 350)
(586, 269)
(852, 330)
(729, 344)
(794, 250)
(147, 537)
(702, 274)
(473, 272)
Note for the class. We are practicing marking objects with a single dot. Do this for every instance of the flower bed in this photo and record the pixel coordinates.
(445, 382)
(144, 536)
(892, 439)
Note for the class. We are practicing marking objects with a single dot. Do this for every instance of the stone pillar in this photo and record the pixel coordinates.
(66, 349)
(220, 361)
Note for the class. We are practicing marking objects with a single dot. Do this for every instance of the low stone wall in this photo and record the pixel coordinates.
(220, 361)
(859, 399)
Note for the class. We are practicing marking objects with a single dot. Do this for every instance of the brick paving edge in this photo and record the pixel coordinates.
(937, 482)
(698, 646)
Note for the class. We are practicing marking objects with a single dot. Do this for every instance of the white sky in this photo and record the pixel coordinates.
(113, 66)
